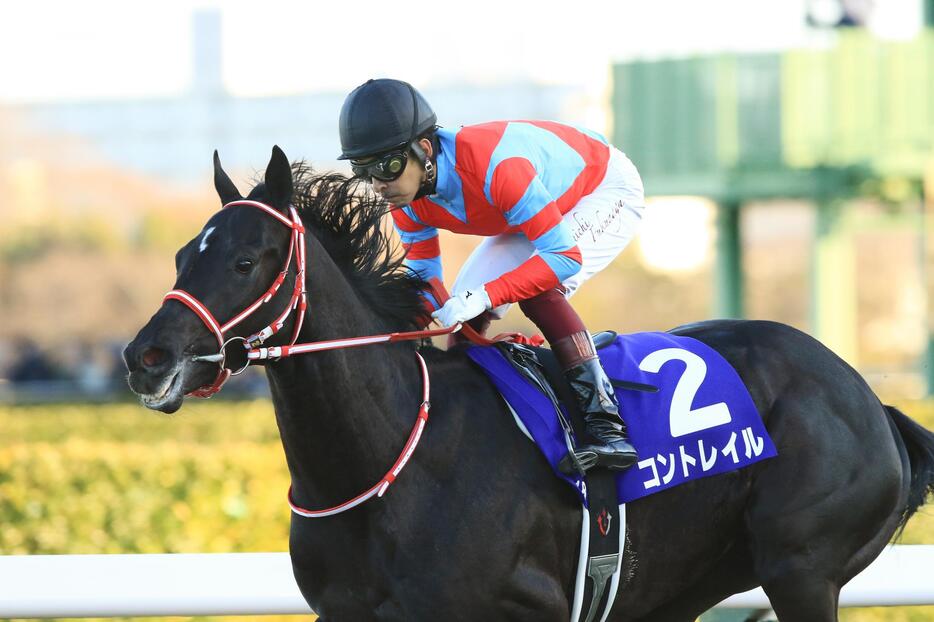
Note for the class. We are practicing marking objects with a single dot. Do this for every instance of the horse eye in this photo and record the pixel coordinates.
(244, 265)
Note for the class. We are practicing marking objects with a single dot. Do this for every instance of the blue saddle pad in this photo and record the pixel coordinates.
(701, 422)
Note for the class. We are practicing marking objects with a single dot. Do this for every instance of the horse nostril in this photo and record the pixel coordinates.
(153, 356)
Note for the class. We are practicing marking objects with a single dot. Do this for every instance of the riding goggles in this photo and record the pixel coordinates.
(385, 167)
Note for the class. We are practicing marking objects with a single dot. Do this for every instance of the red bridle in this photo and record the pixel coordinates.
(298, 302)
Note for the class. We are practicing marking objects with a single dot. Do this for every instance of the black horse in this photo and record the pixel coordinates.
(477, 526)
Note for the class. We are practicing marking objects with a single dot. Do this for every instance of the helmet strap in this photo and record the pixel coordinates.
(431, 173)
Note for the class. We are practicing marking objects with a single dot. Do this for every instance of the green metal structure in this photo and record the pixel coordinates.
(823, 125)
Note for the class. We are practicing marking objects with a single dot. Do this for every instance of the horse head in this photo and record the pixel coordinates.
(225, 269)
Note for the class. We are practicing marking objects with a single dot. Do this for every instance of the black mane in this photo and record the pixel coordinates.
(349, 223)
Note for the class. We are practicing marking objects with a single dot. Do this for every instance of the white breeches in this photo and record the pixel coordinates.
(602, 223)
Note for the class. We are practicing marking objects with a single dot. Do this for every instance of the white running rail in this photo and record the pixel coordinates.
(43, 586)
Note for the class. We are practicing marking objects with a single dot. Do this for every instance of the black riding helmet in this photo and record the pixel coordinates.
(381, 115)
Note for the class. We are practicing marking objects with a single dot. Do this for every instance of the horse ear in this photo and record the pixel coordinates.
(225, 188)
(279, 179)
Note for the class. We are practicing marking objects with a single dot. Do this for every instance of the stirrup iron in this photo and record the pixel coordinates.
(577, 462)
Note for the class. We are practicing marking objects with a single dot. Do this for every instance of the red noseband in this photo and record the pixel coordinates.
(297, 303)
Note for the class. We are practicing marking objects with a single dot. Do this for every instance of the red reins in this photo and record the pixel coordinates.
(379, 488)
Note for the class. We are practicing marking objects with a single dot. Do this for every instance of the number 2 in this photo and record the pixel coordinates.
(683, 419)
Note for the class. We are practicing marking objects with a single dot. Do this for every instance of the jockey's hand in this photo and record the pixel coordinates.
(464, 306)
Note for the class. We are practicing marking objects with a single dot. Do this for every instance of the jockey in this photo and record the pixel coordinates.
(556, 203)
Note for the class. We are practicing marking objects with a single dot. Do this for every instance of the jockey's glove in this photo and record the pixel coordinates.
(464, 306)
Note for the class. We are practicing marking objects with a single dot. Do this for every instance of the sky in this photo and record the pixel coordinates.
(112, 48)
(106, 48)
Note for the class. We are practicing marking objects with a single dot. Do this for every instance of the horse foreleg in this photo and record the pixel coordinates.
(532, 594)
(799, 596)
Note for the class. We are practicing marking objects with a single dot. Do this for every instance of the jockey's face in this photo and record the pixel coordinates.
(402, 190)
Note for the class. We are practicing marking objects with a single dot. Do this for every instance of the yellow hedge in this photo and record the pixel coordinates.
(116, 479)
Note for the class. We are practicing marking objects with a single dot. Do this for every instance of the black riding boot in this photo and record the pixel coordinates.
(595, 398)
(608, 443)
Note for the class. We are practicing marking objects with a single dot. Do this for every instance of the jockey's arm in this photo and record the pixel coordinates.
(422, 247)
(517, 190)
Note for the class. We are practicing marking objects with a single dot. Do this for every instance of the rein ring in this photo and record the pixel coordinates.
(223, 352)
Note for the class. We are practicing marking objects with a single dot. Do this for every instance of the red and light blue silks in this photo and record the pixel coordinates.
(701, 422)
(507, 176)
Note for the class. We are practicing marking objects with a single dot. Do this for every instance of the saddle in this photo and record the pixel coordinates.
(541, 367)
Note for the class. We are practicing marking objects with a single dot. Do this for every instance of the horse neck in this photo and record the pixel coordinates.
(343, 415)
